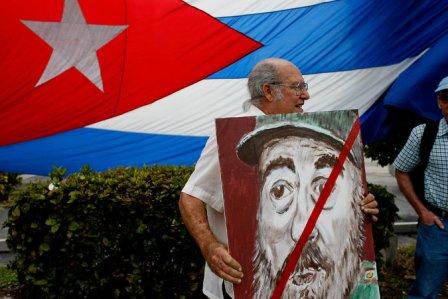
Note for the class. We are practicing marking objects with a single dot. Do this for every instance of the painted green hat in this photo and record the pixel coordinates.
(331, 127)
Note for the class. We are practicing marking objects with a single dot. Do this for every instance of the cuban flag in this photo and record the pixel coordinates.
(118, 83)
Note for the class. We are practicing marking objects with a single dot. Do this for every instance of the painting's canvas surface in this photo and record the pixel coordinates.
(292, 190)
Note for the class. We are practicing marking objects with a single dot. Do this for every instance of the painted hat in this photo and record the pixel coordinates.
(330, 127)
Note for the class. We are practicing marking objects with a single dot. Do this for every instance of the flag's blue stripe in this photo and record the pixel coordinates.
(341, 35)
(413, 90)
(101, 149)
(374, 124)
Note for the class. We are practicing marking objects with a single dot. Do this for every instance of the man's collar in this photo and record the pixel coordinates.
(443, 127)
(251, 109)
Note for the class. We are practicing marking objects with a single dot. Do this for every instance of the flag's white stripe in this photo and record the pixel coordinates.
(191, 111)
(227, 8)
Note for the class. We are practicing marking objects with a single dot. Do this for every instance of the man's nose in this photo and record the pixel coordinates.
(303, 208)
(305, 95)
(297, 229)
(299, 221)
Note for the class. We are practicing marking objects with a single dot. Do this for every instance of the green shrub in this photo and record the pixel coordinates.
(383, 229)
(8, 278)
(8, 182)
(112, 234)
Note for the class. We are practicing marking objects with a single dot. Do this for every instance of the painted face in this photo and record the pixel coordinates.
(292, 100)
(442, 100)
(293, 172)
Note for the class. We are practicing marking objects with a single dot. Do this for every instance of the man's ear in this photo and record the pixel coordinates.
(268, 94)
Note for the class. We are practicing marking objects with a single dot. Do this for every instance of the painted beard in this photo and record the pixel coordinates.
(316, 275)
(311, 273)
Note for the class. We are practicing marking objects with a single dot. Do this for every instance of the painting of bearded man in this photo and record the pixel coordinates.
(294, 156)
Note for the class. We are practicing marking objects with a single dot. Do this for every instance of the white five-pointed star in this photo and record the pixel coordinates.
(74, 43)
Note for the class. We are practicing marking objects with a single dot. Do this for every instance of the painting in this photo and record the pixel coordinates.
(292, 188)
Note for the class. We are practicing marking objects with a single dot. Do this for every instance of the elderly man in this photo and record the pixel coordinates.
(276, 86)
(431, 205)
(295, 156)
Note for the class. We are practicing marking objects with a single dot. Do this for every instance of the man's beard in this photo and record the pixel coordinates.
(315, 275)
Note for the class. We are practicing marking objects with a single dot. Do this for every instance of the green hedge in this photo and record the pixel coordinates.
(115, 234)
(8, 182)
(383, 229)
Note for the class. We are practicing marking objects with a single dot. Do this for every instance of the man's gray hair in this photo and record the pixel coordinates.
(264, 72)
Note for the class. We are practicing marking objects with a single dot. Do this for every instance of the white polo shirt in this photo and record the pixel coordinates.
(205, 184)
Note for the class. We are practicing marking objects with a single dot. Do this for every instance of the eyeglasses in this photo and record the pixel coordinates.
(298, 88)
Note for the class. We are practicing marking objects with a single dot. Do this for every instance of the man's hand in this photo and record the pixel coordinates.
(370, 206)
(222, 263)
(425, 216)
(429, 218)
(216, 254)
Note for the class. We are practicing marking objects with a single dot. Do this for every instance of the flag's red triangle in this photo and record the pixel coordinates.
(167, 46)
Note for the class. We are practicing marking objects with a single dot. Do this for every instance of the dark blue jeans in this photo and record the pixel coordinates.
(431, 261)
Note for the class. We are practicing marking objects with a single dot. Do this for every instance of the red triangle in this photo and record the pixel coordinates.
(167, 46)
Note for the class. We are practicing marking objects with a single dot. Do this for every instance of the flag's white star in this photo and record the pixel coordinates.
(74, 43)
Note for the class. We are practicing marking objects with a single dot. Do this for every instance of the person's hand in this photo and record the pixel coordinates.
(222, 263)
(429, 218)
(370, 206)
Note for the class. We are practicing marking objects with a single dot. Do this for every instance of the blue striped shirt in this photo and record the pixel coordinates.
(436, 172)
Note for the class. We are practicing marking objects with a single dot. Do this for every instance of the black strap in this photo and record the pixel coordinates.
(428, 138)
(417, 174)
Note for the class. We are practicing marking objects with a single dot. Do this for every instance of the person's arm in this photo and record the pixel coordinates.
(216, 254)
(405, 184)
